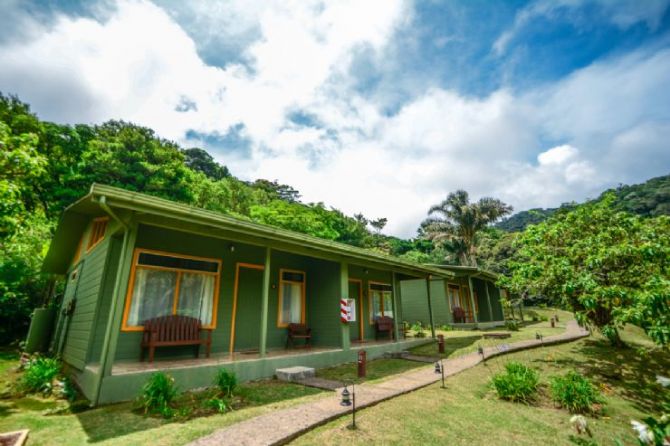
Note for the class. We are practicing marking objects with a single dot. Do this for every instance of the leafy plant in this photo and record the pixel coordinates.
(446, 327)
(574, 392)
(218, 404)
(511, 325)
(40, 374)
(157, 394)
(518, 383)
(418, 330)
(226, 381)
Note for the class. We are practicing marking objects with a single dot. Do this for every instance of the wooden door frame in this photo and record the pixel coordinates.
(236, 289)
(361, 330)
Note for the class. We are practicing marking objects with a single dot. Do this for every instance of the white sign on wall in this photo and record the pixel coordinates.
(351, 303)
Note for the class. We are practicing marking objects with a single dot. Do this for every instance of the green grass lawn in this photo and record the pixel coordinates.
(460, 342)
(376, 370)
(119, 424)
(469, 413)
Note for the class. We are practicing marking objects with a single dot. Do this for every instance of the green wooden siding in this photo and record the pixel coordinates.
(321, 301)
(79, 329)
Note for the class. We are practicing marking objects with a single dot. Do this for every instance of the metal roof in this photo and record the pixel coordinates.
(75, 217)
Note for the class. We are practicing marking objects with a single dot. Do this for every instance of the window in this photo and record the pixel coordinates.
(162, 284)
(97, 232)
(291, 298)
(381, 300)
(453, 294)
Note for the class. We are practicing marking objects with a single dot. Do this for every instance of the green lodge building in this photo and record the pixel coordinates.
(148, 275)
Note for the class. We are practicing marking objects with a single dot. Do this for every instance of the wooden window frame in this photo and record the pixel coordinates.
(131, 284)
(280, 299)
(370, 283)
(96, 232)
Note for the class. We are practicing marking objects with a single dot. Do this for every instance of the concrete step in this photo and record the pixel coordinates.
(292, 374)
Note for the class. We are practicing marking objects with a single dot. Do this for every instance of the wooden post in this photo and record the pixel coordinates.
(430, 308)
(488, 301)
(472, 300)
(265, 298)
(344, 294)
(115, 316)
(395, 290)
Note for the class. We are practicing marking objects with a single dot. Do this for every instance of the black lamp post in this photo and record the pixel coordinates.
(349, 399)
(439, 368)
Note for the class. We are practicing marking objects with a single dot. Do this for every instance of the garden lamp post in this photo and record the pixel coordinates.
(349, 399)
(439, 368)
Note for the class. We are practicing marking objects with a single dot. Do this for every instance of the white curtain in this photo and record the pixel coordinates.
(376, 305)
(196, 296)
(291, 303)
(153, 295)
(388, 303)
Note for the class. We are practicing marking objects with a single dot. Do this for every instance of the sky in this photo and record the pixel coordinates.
(380, 107)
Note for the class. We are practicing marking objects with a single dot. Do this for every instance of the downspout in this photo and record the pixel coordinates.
(112, 310)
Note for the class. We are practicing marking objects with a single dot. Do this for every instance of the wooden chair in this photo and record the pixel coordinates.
(298, 331)
(384, 324)
(459, 315)
(168, 331)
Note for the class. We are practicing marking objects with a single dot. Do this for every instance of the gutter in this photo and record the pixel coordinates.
(104, 353)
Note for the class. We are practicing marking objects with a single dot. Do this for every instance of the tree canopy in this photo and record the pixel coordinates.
(458, 222)
(610, 267)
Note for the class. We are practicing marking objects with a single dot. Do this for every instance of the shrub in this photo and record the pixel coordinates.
(446, 328)
(218, 404)
(574, 392)
(226, 381)
(157, 394)
(40, 374)
(511, 325)
(518, 383)
(418, 330)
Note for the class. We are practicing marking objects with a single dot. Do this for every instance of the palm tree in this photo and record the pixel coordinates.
(458, 221)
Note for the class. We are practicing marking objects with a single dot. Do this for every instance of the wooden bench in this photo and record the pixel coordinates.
(459, 315)
(298, 331)
(168, 331)
(496, 335)
(384, 324)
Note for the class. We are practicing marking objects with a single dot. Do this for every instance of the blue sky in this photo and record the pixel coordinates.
(381, 107)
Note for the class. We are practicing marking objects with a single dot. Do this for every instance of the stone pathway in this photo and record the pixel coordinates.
(281, 426)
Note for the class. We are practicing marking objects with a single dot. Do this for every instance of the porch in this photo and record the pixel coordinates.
(127, 377)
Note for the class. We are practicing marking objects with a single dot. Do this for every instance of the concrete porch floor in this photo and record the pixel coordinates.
(129, 367)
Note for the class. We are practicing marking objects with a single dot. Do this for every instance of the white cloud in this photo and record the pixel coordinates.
(138, 64)
(557, 156)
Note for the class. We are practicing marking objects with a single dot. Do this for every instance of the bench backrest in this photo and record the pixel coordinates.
(298, 329)
(384, 323)
(174, 328)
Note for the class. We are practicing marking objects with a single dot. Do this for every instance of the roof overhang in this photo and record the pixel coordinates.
(170, 214)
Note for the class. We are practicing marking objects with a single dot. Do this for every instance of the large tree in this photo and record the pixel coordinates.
(455, 223)
(609, 267)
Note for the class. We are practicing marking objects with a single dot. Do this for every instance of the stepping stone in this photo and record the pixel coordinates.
(396, 355)
(293, 374)
(418, 358)
(320, 383)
